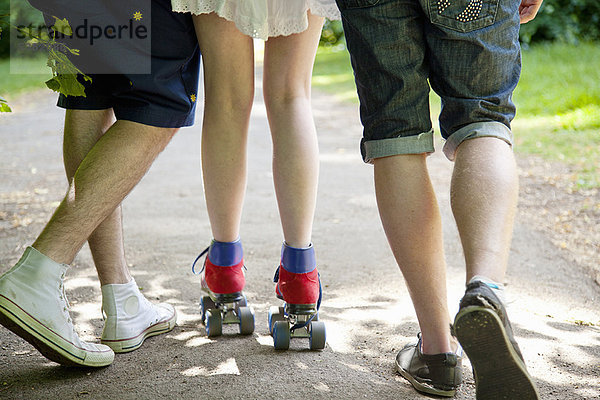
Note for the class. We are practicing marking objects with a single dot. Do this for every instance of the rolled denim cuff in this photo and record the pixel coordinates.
(476, 130)
(418, 144)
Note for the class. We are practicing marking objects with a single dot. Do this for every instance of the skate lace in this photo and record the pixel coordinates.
(305, 323)
(196, 260)
(205, 251)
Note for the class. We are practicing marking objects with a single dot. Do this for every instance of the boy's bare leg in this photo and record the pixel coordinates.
(110, 170)
(411, 220)
(83, 128)
(484, 197)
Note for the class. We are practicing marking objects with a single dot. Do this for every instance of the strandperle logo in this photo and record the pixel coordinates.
(92, 32)
(107, 38)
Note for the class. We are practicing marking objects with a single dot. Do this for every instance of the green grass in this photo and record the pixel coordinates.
(333, 73)
(558, 79)
(22, 76)
(558, 103)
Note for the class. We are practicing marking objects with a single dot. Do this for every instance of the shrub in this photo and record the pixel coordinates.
(568, 21)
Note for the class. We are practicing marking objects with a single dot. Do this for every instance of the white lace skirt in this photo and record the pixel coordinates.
(262, 18)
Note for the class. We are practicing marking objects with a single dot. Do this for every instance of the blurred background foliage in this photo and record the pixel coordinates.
(22, 14)
(565, 21)
(568, 21)
(558, 96)
(332, 33)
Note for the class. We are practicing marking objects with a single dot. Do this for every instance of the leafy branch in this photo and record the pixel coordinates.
(64, 73)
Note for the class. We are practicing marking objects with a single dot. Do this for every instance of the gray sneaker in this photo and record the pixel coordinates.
(437, 374)
(484, 331)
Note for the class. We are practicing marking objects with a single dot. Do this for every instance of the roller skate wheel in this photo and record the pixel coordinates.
(317, 336)
(275, 314)
(246, 320)
(281, 335)
(213, 323)
(206, 303)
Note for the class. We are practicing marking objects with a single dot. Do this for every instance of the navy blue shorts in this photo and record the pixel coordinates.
(166, 97)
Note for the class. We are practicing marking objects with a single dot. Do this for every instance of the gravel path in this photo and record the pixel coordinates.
(369, 316)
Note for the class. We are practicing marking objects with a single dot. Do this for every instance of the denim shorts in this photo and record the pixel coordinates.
(467, 50)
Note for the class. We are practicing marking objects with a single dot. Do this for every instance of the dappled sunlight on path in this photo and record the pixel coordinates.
(366, 307)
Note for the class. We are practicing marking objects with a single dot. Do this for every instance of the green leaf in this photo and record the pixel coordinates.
(71, 86)
(3, 106)
(66, 84)
(53, 84)
(62, 26)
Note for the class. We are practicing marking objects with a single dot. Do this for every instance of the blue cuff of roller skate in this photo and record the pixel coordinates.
(225, 254)
(298, 261)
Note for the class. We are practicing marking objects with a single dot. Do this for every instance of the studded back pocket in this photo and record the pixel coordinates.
(462, 15)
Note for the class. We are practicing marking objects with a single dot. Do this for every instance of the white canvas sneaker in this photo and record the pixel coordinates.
(129, 318)
(33, 305)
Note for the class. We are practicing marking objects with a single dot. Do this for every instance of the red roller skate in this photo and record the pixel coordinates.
(299, 286)
(223, 281)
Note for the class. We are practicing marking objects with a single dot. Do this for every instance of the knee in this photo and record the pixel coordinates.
(283, 92)
(235, 97)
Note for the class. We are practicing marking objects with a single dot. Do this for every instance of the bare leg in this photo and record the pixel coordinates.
(106, 175)
(412, 223)
(484, 200)
(82, 131)
(484, 197)
(287, 80)
(229, 92)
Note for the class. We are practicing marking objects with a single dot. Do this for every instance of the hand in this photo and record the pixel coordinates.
(528, 9)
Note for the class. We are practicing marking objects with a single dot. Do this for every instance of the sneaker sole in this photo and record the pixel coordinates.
(498, 369)
(422, 387)
(134, 343)
(52, 346)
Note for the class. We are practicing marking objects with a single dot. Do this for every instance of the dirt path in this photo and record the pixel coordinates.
(555, 302)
